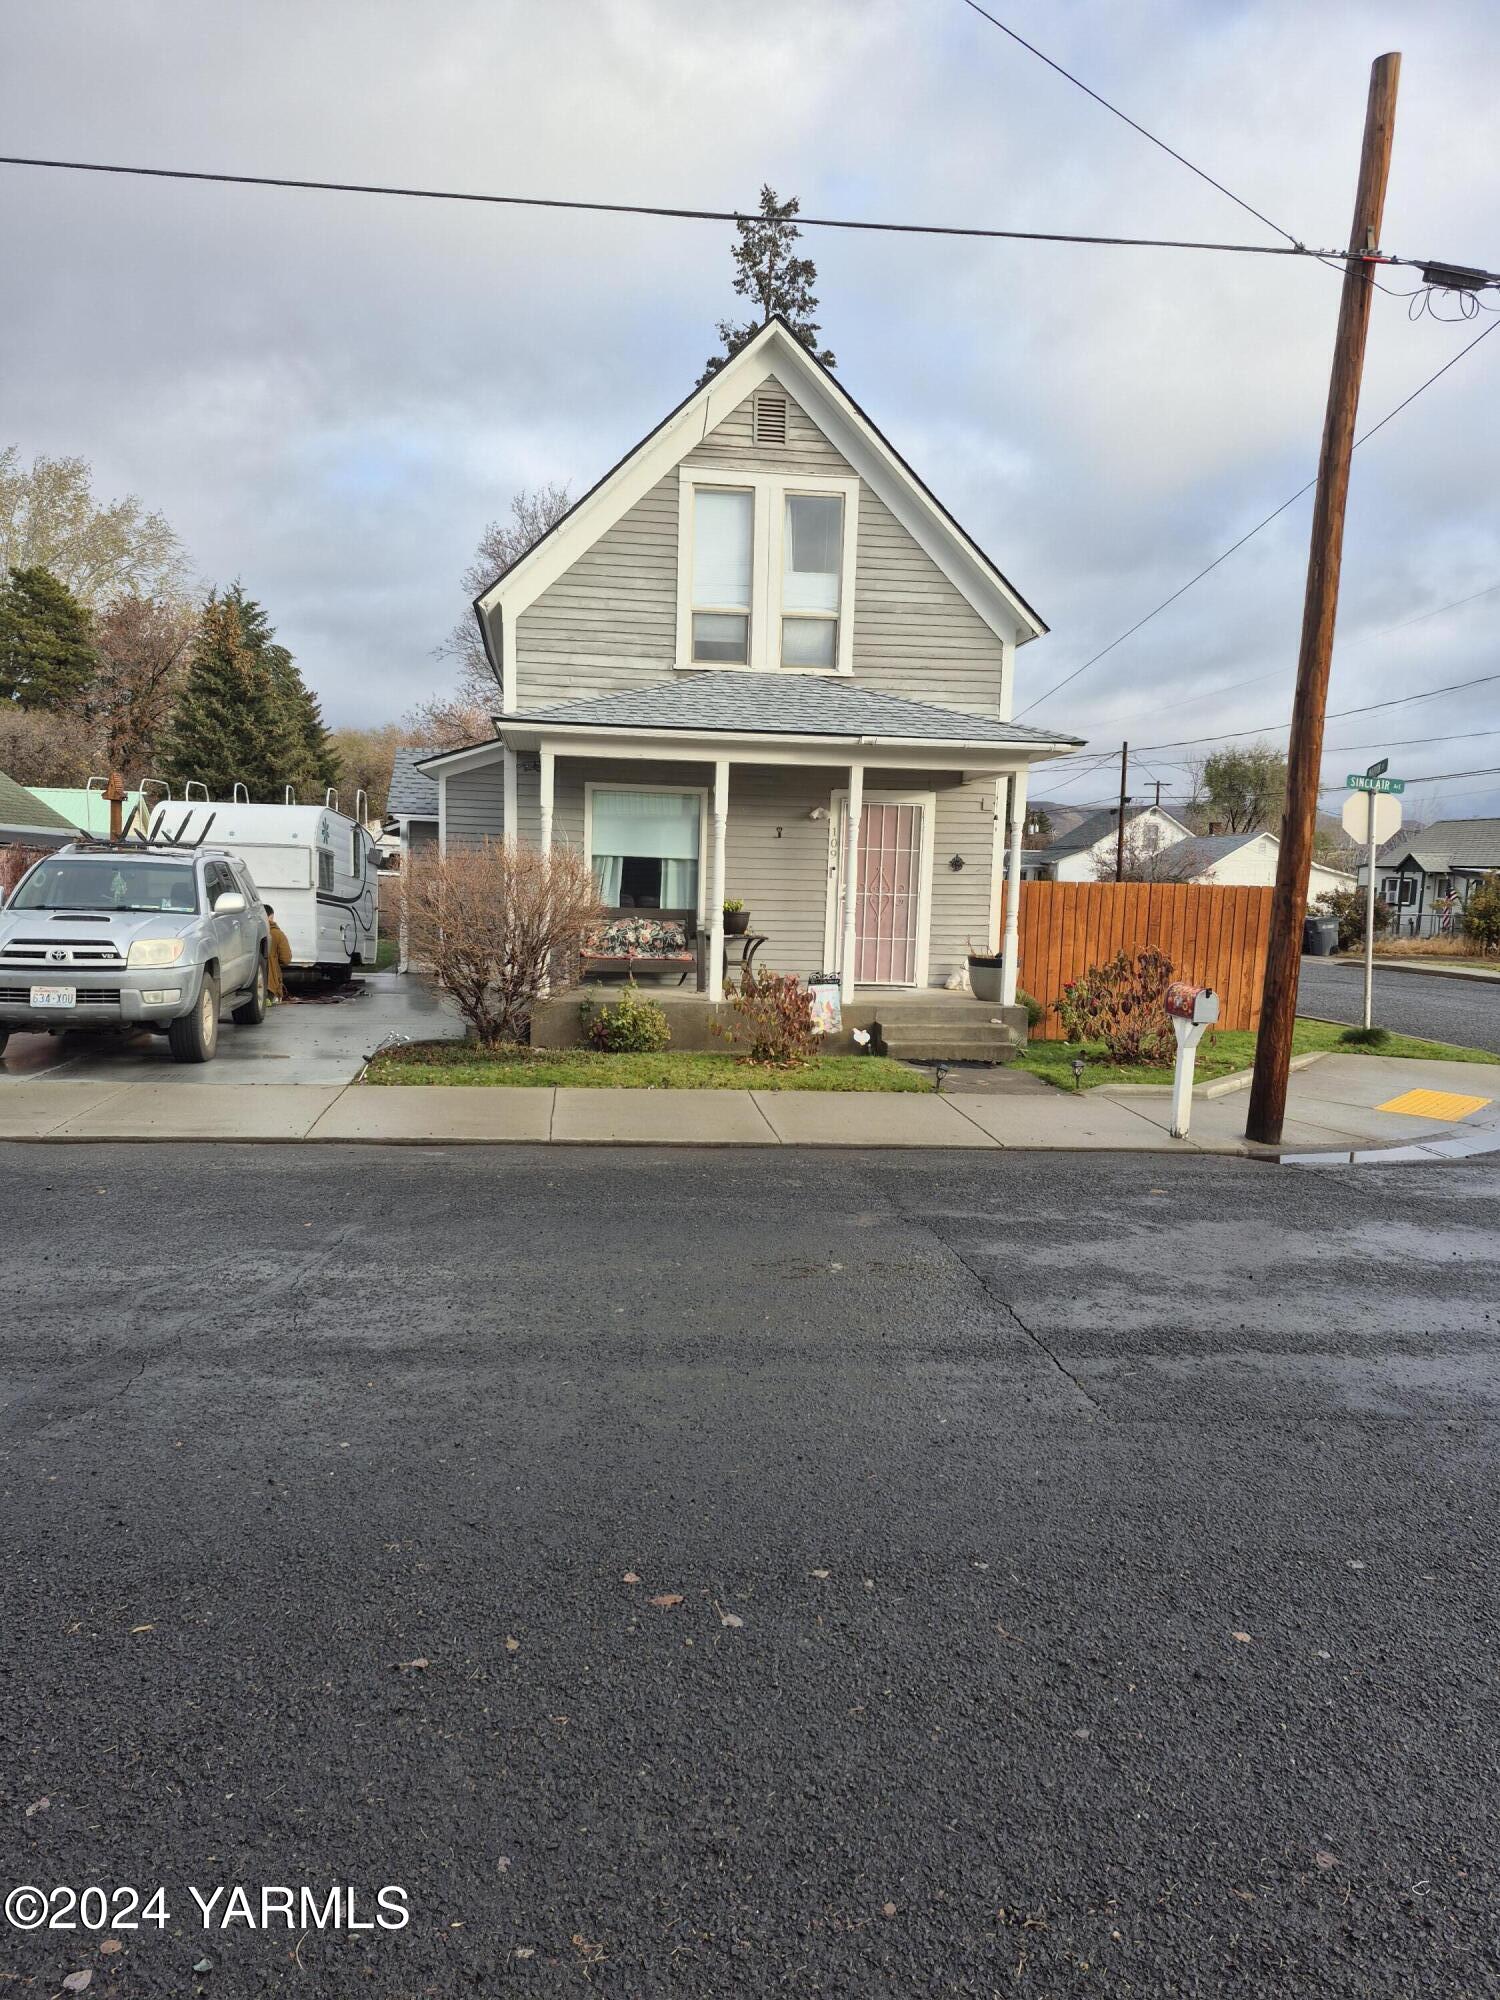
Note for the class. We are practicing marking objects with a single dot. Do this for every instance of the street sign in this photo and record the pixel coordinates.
(1357, 783)
(1378, 770)
(1356, 817)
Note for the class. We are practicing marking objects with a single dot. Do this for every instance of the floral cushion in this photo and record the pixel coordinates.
(637, 937)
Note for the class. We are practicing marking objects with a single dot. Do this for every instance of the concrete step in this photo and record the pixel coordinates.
(952, 1045)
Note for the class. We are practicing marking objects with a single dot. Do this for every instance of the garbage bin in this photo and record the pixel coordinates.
(1320, 936)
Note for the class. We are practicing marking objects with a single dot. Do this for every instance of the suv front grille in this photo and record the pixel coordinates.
(81, 951)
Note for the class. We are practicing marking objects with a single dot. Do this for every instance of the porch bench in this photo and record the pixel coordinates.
(657, 942)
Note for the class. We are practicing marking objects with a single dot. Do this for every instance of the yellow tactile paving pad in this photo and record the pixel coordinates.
(1434, 1104)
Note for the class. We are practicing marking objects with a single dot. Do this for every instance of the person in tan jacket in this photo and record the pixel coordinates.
(281, 957)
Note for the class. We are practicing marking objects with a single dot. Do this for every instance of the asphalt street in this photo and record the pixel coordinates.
(742, 1574)
(1466, 1011)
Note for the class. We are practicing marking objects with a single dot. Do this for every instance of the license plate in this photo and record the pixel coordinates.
(54, 996)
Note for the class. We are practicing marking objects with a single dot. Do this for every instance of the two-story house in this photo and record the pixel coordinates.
(760, 660)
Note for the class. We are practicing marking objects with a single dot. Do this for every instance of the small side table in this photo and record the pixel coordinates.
(749, 943)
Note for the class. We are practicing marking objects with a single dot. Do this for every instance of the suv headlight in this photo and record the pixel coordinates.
(154, 951)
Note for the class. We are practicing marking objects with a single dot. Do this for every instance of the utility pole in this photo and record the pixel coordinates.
(1120, 832)
(1273, 1048)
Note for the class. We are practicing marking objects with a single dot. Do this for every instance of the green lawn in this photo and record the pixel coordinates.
(386, 953)
(1222, 1053)
(463, 1062)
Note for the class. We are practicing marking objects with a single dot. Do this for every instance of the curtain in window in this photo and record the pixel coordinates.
(723, 527)
(679, 885)
(654, 826)
(607, 869)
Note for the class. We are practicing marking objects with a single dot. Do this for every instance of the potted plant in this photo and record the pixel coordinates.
(736, 917)
(984, 973)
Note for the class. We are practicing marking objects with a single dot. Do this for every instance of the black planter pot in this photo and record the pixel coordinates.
(736, 923)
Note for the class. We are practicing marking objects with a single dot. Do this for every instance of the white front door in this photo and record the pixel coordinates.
(893, 888)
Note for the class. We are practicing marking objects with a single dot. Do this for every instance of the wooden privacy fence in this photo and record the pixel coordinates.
(1214, 937)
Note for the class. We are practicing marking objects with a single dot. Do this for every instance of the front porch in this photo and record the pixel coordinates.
(935, 1026)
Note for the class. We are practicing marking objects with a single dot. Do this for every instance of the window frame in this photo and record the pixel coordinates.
(768, 515)
(699, 792)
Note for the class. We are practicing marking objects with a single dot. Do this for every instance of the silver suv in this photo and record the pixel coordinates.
(98, 937)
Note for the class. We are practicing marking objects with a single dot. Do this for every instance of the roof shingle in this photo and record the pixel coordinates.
(412, 794)
(781, 705)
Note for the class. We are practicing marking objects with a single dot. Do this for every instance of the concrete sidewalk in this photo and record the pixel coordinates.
(1338, 1107)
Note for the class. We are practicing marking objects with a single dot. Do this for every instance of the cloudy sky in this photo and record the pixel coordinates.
(329, 396)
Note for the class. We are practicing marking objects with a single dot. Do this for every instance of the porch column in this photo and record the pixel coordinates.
(512, 790)
(545, 788)
(851, 881)
(716, 880)
(1011, 948)
(544, 837)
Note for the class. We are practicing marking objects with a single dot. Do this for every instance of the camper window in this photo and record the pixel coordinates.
(325, 869)
(355, 851)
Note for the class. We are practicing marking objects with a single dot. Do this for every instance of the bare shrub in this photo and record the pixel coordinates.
(493, 923)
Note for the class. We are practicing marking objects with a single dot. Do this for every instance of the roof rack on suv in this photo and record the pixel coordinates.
(151, 840)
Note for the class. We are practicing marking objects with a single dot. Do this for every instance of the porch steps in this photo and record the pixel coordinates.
(951, 1030)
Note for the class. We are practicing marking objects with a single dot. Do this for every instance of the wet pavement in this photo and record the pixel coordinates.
(314, 1041)
(1465, 1011)
(856, 1574)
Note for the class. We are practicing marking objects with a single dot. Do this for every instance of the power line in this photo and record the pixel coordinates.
(1125, 117)
(669, 214)
(1333, 715)
(1364, 438)
(1435, 777)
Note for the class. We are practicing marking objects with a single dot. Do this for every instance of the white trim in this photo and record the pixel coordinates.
(699, 792)
(702, 746)
(772, 352)
(512, 832)
(999, 854)
(716, 888)
(770, 491)
(442, 785)
(545, 795)
(838, 801)
(1009, 957)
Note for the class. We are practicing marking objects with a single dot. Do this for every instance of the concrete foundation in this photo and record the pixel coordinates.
(924, 1026)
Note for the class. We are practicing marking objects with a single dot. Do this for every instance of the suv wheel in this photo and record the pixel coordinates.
(195, 1037)
(253, 1011)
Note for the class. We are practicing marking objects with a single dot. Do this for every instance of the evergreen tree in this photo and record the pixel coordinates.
(228, 715)
(47, 657)
(767, 271)
(314, 764)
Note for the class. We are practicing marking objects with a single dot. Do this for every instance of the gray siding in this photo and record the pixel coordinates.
(611, 621)
(476, 805)
(777, 858)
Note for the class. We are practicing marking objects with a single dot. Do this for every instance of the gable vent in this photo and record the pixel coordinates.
(770, 419)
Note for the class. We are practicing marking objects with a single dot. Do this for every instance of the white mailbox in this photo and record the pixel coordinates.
(1192, 1008)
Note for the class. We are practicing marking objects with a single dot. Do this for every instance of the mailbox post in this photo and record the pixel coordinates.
(1192, 1008)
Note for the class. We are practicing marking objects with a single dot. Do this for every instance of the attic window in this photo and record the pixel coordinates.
(769, 425)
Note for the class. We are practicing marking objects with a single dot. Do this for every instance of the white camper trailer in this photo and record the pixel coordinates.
(315, 865)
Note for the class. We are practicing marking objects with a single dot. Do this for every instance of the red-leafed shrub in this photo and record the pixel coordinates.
(1123, 1006)
(773, 1013)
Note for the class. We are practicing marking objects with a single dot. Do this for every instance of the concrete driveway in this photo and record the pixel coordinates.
(310, 1041)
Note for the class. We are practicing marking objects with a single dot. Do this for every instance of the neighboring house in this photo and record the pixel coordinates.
(1426, 876)
(84, 807)
(1248, 860)
(411, 801)
(759, 658)
(26, 822)
(1083, 845)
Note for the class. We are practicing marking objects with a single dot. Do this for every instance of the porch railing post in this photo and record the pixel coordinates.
(716, 880)
(1011, 951)
(544, 834)
(512, 793)
(851, 882)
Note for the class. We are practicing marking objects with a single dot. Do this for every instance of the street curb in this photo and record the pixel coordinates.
(1476, 977)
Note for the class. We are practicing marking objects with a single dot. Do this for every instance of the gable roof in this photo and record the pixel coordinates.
(1211, 847)
(761, 704)
(411, 794)
(774, 349)
(22, 812)
(1445, 843)
(1096, 826)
